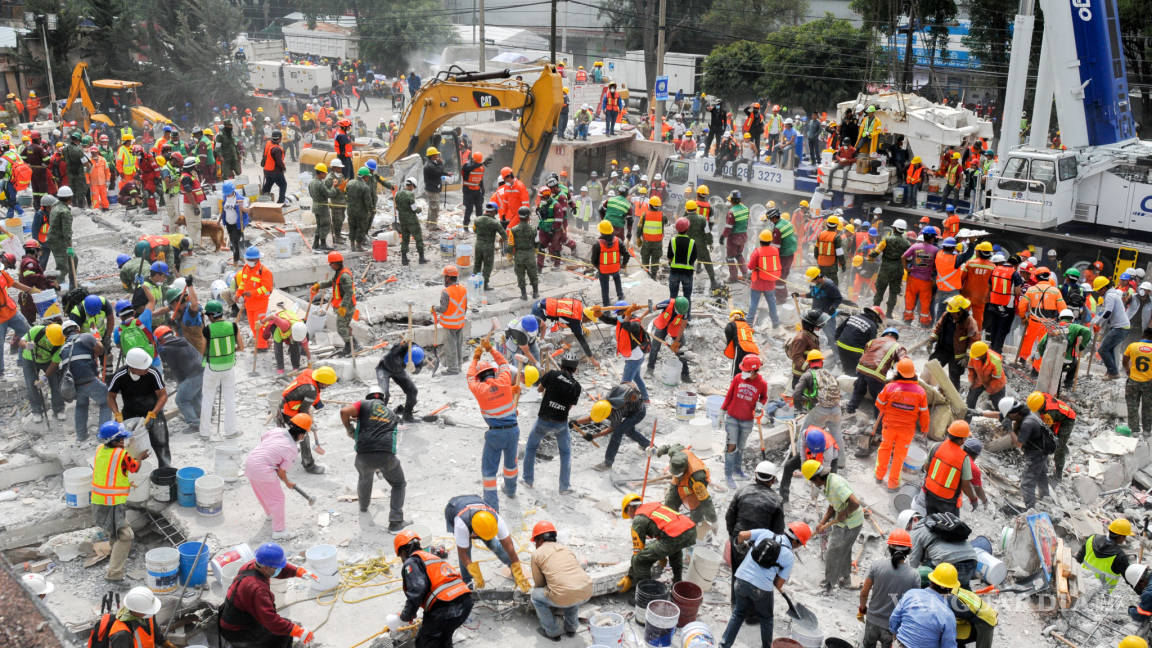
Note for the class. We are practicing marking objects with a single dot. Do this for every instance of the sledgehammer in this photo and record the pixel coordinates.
(311, 500)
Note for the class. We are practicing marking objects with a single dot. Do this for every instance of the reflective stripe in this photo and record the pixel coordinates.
(1102, 567)
(676, 265)
(848, 348)
(739, 215)
(453, 315)
(109, 485)
(653, 226)
(610, 257)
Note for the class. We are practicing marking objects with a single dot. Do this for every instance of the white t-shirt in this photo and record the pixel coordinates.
(464, 536)
(230, 203)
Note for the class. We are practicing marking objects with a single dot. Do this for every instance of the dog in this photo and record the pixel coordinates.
(212, 230)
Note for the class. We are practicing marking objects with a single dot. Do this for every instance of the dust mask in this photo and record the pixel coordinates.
(251, 264)
(745, 374)
(277, 572)
(134, 376)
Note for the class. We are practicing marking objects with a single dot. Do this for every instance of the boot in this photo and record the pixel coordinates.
(523, 295)
(347, 351)
(685, 377)
(422, 259)
(403, 259)
(738, 465)
(535, 292)
(487, 286)
(729, 464)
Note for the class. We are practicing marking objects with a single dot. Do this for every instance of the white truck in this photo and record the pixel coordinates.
(280, 77)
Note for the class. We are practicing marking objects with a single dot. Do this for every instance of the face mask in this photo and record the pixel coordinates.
(251, 264)
(133, 376)
(276, 572)
(745, 374)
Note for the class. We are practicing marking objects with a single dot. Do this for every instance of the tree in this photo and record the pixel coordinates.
(390, 33)
(729, 20)
(931, 17)
(735, 72)
(638, 20)
(989, 40)
(1136, 39)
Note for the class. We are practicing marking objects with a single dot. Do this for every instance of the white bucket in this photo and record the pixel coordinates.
(702, 570)
(46, 304)
(322, 560)
(78, 487)
(141, 485)
(607, 629)
(915, 459)
(697, 635)
(210, 495)
(284, 247)
(163, 567)
(660, 623)
(325, 582)
(685, 405)
(226, 563)
(317, 320)
(713, 404)
(991, 569)
(700, 435)
(228, 464)
(826, 157)
(670, 369)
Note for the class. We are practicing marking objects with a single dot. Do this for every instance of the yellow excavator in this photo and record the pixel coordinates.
(136, 113)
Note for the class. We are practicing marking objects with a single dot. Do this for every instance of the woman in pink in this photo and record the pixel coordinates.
(742, 404)
(267, 465)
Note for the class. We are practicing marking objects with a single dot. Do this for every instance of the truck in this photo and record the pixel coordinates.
(281, 77)
(336, 40)
(682, 70)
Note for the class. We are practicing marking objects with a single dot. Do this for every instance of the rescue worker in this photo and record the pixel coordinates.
(698, 223)
(321, 192)
(1043, 301)
(273, 165)
(670, 534)
(949, 276)
(560, 391)
(766, 566)
(804, 341)
(493, 384)
(784, 237)
(569, 311)
(1137, 363)
(59, 240)
(376, 444)
(227, 151)
(739, 338)
(511, 196)
(609, 257)
(135, 625)
(343, 144)
(487, 228)
(1036, 440)
(343, 299)
(286, 328)
(754, 506)
(948, 475)
(953, 335)
(854, 334)
(268, 463)
(829, 250)
(818, 394)
(393, 366)
(891, 252)
(922, 616)
(623, 408)
(254, 285)
(976, 280)
(431, 583)
(406, 210)
(880, 355)
(682, 256)
(1060, 418)
(41, 353)
(632, 341)
(472, 175)
(222, 341)
(812, 443)
(650, 237)
(192, 195)
(765, 270)
(76, 159)
(561, 584)
(689, 487)
(450, 315)
(337, 184)
(125, 161)
(523, 241)
(886, 582)
(919, 263)
(826, 298)
(902, 404)
(433, 183)
(302, 396)
(248, 616)
(1110, 310)
(736, 233)
(140, 384)
(1005, 286)
(361, 205)
(743, 404)
(467, 517)
(1103, 555)
(111, 482)
(843, 518)
(985, 374)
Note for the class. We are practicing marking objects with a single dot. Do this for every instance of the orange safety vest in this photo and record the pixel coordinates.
(975, 280)
(341, 151)
(669, 320)
(337, 296)
(453, 315)
(947, 274)
(444, 582)
(670, 522)
(610, 256)
(566, 308)
(8, 306)
(684, 483)
(42, 233)
(475, 177)
(141, 638)
(912, 177)
(704, 209)
(829, 442)
(1002, 286)
(496, 400)
(652, 225)
(769, 265)
(1052, 403)
(744, 337)
(269, 163)
(951, 226)
(826, 248)
(945, 467)
(110, 486)
(624, 339)
(157, 245)
(640, 208)
(292, 407)
(1045, 298)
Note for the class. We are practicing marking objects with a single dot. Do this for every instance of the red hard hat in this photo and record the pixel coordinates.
(477, 157)
(483, 366)
(750, 363)
(161, 331)
(344, 123)
(925, 219)
(682, 225)
(802, 531)
(451, 271)
(541, 527)
(899, 538)
(335, 257)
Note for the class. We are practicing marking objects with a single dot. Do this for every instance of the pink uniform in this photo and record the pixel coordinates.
(276, 450)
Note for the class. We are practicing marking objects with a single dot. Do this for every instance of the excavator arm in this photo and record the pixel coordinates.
(79, 90)
(454, 94)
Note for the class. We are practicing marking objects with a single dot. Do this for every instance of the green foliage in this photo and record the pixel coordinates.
(392, 34)
(735, 71)
(730, 20)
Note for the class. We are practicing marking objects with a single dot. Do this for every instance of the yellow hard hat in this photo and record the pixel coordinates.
(321, 168)
(484, 525)
(955, 156)
(978, 349)
(812, 273)
(1132, 641)
(766, 235)
(770, 204)
(688, 133)
(815, 355)
(945, 576)
(589, 314)
(849, 228)
(126, 137)
(160, 160)
(735, 313)
(642, 190)
(207, 131)
(614, 162)
(917, 160)
(1099, 282)
(565, 90)
(1035, 401)
(654, 201)
(626, 502)
(605, 227)
(803, 203)
(786, 216)
(702, 190)
(809, 468)
(600, 410)
(324, 375)
(747, 136)
(55, 334)
(690, 205)
(432, 150)
(857, 261)
(531, 375)
(984, 246)
(1120, 526)
(958, 303)
(627, 169)
(260, 109)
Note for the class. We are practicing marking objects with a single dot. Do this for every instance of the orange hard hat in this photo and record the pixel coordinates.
(477, 157)
(335, 257)
(542, 527)
(451, 271)
(899, 538)
(403, 539)
(959, 428)
(505, 172)
(906, 368)
(302, 421)
(802, 531)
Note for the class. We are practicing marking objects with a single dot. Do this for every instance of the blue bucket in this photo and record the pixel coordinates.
(186, 485)
(188, 552)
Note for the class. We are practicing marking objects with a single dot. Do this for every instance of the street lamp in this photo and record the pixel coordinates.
(46, 23)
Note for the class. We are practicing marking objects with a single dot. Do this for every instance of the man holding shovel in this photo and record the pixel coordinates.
(494, 386)
(450, 315)
(343, 298)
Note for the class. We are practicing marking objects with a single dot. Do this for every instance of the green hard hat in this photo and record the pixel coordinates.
(214, 307)
(171, 295)
(364, 171)
(682, 305)
(86, 139)
(142, 249)
(1072, 272)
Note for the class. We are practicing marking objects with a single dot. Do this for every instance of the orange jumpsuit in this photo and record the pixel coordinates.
(98, 182)
(254, 284)
(902, 404)
(1042, 300)
(975, 284)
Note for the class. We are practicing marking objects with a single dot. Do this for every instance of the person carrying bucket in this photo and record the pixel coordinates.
(248, 616)
(767, 565)
(110, 487)
(267, 465)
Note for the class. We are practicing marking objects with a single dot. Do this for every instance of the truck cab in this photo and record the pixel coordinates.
(1035, 188)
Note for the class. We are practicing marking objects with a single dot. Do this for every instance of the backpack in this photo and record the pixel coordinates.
(98, 636)
(827, 389)
(1048, 441)
(74, 301)
(766, 553)
(133, 336)
(1075, 298)
(948, 527)
(67, 386)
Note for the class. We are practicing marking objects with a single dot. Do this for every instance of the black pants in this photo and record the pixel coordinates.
(473, 202)
(947, 358)
(681, 279)
(255, 637)
(404, 381)
(848, 359)
(713, 136)
(577, 331)
(362, 100)
(864, 385)
(933, 504)
(974, 394)
(791, 466)
(348, 171)
(235, 239)
(997, 322)
(386, 463)
(275, 178)
(441, 621)
(1034, 477)
(293, 353)
(615, 276)
(737, 558)
(158, 437)
(663, 335)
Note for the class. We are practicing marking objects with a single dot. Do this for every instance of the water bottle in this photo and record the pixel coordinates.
(476, 290)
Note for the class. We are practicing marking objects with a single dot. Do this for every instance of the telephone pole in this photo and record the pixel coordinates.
(482, 56)
(657, 127)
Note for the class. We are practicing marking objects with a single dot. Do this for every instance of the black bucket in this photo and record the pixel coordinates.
(646, 592)
(164, 484)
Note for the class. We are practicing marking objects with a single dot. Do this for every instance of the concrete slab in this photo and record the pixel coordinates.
(29, 472)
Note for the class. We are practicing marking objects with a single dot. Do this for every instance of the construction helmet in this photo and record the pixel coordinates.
(682, 305)
(945, 576)
(111, 430)
(809, 468)
(451, 271)
(978, 349)
(403, 539)
(893, 331)
(55, 334)
(600, 410)
(957, 303)
(814, 355)
(1066, 314)
(324, 375)
(299, 331)
(735, 314)
(906, 368)
(542, 527)
(484, 525)
(857, 261)
(214, 307)
(1006, 405)
(765, 236)
(831, 221)
(899, 224)
(321, 168)
(1132, 641)
(1035, 401)
(682, 224)
(899, 538)
(1134, 573)
(432, 150)
(161, 332)
(335, 257)
(960, 429)
(702, 190)
(271, 554)
(929, 231)
(505, 172)
(1120, 526)
(605, 228)
(626, 502)
(37, 584)
(1099, 283)
(1072, 272)
(142, 602)
(750, 362)
(812, 273)
(531, 375)
(948, 242)
(477, 157)
(801, 531)
(690, 205)
(766, 470)
(302, 421)
(654, 202)
(985, 246)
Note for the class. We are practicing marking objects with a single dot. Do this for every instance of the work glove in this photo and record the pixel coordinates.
(341, 311)
(477, 576)
(149, 417)
(625, 584)
(477, 353)
(119, 417)
(518, 576)
(597, 310)
(318, 406)
(303, 634)
(314, 289)
(486, 345)
(573, 423)
(649, 451)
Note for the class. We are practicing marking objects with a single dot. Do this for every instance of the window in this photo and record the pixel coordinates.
(1014, 171)
(1068, 168)
(676, 172)
(1044, 171)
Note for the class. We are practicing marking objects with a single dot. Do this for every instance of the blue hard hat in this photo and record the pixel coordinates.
(949, 208)
(167, 128)
(93, 304)
(371, 164)
(122, 306)
(1125, 276)
(271, 554)
(529, 323)
(872, 231)
(949, 242)
(973, 447)
(111, 430)
(121, 259)
(892, 330)
(929, 231)
(417, 355)
(252, 252)
(865, 225)
(814, 440)
(491, 206)
(228, 188)
(161, 267)
(622, 302)
(996, 247)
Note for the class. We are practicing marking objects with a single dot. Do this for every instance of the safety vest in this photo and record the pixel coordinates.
(338, 297)
(787, 237)
(345, 150)
(704, 209)
(745, 338)
(144, 636)
(983, 612)
(684, 485)
(42, 232)
(220, 353)
(625, 340)
(610, 256)
(453, 315)
(1053, 404)
(678, 265)
(288, 316)
(669, 320)
(1002, 286)
(252, 279)
(496, 401)
(1101, 566)
(1045, 298)
(947, 275)
(768, 265)
(944, 471)
(912, 177)
(994, 359)
(653, 226)
(671, 523)
(739, 214)
(640, 207)
(42, 350)
(952, 176)
(110, 485)
(566, 308)
(444, 582)
(951, 226)
(269, 163)
(8, 306)
(292, 407)
(615, 209)
(875, 372)
(474, 179)
(126, 159)
(826, 248)
(829, 442)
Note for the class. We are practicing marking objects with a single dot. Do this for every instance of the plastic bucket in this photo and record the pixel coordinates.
(193, 577)
(464, 255)
(46, 304)
(902, 499)
(210, 495)
(78, 487)
(646, 592)
(669, 372)
(325, 582)
(836, 642)
(659, 623)
(163, 567)
(447, 247)
(141, 485)
(226, 563)
(915, 459)
(685, 405)
(228, 465)
(186, 485)
(379, 250)
(702, 570)
(607, 629)
(991, 569)
(322, 560)
(784, 642)
(688, 597)
(697, 635)
(805, 628)
(163, 484)
(712, 405)
(700, 435)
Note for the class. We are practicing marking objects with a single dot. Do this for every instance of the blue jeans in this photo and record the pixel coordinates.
(91, 391)
(632, 373)
(627, 427)
(678, 279)
(770, 297)
(542, 429)
(582, 131)
(188, 400)
(544, 611)
(31, 372)
(750, 600)
(1112, 340)
(19, 327)
(497, 442)
(610, 117)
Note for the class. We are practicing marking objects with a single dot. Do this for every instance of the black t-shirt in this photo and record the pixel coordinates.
(561, 392)
(139, 396)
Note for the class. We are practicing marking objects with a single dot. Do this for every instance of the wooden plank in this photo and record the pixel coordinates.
(1063, 600)
(29, 472)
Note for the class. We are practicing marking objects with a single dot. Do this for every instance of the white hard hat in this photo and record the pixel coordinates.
(999, 258)
(644, 177)
(1067, 312)
(410, 181)
(141, 601)
(766, 470)
(1007, 404)
(179, 284)
(64, 192)
(877, 210)
(859, 107)
(37, 584)
(584, 188)
(905, 518)
(138, 358)
(899, 224)
(615, 174)
(1139, 272)
(1133, 573)
(299, 331)
(336, 164)
(219, 287)
(1145, 286)
(788, 121)
(657, 177)
(69, 325)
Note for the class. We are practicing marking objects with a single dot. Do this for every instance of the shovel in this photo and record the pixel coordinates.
(792, 611)
(311, 500)
(411, 367)
(431, 418)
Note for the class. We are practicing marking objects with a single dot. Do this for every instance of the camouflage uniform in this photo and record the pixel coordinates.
(321, 192)
(487, 228)
(524, 256)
